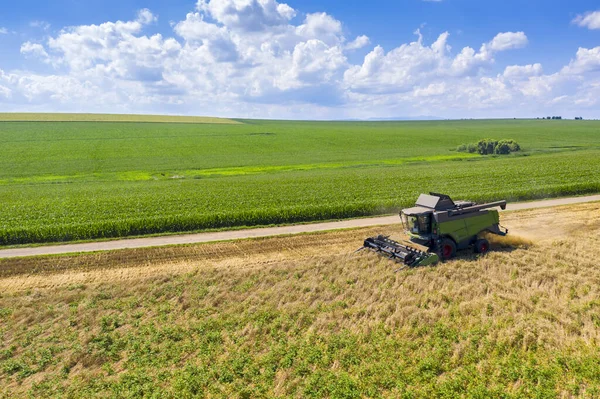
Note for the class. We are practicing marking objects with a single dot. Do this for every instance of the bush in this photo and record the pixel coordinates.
(507, 146)
(502, 148)
(470, 148)
(491, 146)
(486, 146)
(514, 146)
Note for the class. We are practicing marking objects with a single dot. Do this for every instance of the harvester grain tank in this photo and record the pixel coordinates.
(438, 227)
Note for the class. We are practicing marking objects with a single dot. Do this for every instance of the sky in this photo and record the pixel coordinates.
(309, 59)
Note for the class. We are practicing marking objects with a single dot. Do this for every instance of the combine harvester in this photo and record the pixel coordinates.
(438, 227)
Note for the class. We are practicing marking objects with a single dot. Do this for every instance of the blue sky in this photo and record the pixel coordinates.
(321, 59)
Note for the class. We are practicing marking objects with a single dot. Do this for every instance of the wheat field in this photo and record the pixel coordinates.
(302, 316)
(66, 117)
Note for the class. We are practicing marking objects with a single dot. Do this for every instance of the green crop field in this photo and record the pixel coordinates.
(86, 180)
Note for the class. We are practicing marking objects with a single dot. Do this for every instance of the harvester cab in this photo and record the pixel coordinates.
(437, 227)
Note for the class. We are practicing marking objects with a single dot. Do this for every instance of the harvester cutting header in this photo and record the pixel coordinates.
(438, 227)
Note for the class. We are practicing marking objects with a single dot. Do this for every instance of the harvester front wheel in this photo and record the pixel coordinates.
(447, 249)
(482, 246)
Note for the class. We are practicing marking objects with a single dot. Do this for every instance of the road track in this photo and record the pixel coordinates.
(249, 233)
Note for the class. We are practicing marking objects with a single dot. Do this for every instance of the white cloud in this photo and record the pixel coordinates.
(359, 42)
(215, 42)
(590, 20)
(260, 58)
(434, 89)
(194, 28)
(414, 64)
(5, 92)
(34, 49)
(3, 31)
(523, 71)
(586, 60)
(247, 15)
(313, 63)
(468, 60)
(508, 40)
(146, 17)
(113, 49)
(400, 69)
(321, 26)
(218, 58)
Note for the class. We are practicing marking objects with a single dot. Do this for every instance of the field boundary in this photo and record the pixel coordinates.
(113, 118)
(199, 238)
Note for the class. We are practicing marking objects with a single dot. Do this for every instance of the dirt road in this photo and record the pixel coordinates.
(250, 233)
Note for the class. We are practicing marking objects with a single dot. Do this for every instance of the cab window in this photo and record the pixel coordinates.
(425, 224)
(419, 224)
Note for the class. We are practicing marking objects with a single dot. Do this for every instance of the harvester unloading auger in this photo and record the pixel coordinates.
(438, 227)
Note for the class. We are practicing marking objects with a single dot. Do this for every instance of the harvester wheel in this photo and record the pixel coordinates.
(447, 249)
(482, 246)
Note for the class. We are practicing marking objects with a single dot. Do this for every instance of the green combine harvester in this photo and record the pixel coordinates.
(438, 227)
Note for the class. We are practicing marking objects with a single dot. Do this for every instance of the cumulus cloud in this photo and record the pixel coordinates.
(34, 49)
(434, 89)
(262, 58)
(3, 31)
(5, 92)
(245, 50)
(508, 41)
(414, 64)
(399, 69)
(313, 62)
(586, 60)
(146, 17)
(247, 15)
(206, 39)
(114, 49)
(523, 71)
(359, 42)
(590, 20)
(321, 26)
(470, 60)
